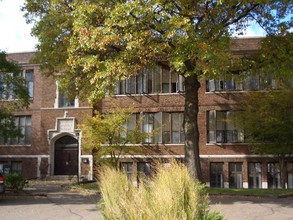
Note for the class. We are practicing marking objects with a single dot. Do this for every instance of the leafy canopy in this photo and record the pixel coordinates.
(98, 42)
(106, 134)
(268, 121)
(94, 43)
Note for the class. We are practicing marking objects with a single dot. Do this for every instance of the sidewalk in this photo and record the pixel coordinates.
(50, 200)
(248, 208)
(42, 188)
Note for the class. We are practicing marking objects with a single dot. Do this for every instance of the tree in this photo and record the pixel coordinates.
(275, 59)
(271, 110)
(13, 93)
(267, 119)
(111, 40)
(106, 134)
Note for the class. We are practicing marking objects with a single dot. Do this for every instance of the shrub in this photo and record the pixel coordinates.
(14, 181)
(171, 194)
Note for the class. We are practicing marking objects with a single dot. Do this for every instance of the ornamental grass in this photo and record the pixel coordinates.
(171, 194)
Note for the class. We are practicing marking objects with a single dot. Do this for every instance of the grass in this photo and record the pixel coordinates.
(252, 192)
(212, 191)
(88, 186)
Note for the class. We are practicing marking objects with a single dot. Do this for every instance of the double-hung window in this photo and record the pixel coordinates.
(172, 129)
(63, 98)
(223, 127)
(158, 79)
(150, 125)
(235, 175)
(7, 90)
(16, 167)
(217, 175)
(126, 167)
(254, 175)
(243, 82)
(273, 175)
(144, 169)
(65, 101)
(6, 86)
(28, 75)
(159, 127)
(23, 125)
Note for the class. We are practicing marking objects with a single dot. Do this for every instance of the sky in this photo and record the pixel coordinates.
(15, 32)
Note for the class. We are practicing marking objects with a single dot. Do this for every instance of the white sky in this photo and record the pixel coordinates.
(15, 32)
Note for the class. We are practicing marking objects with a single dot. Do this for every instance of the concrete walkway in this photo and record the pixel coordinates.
(49, 200)
(254, 208)
(55, 200)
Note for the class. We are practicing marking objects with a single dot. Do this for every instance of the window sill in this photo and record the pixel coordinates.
(229, 92)
(226, 144)
(66, 107)
(149, 94)
(14, 100)
(15, 145)
(149, 144)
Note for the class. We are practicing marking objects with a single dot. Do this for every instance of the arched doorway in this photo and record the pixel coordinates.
(66, 156)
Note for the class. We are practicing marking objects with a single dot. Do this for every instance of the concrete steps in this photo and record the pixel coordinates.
(62, 178)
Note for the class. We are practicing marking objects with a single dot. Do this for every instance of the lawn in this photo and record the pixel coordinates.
(253, 192)
(213, 191)
(87, 186)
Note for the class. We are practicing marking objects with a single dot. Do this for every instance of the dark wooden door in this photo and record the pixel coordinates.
(66, 156)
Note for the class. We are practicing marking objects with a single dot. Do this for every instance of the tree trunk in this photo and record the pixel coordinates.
(283, 171)
(190, 125)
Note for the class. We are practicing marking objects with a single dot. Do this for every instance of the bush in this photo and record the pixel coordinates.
(14, 181)
(171, 194)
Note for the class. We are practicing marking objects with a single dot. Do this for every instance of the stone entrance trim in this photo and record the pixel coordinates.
(64, 125)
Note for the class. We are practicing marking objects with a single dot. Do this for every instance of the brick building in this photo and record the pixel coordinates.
(157, 95)
(52, 140)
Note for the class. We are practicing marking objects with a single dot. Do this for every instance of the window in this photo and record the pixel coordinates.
(5, 168)
(235, 175)
(247, 82)
(16, 167)
(216, 175)
(223, 127)
(64, 101)
(273, 175)
(64, 97)
(172, 128)
(126, 167)
(254, 175)
(143, 169)
(161, 127)
(28, 75)
(6, 88)
(151, 80)
(148, 125)
(129, 125)
(23, 124)
(290, 175)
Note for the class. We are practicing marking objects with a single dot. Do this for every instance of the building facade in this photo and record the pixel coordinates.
(157, 96)
(51, 141)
